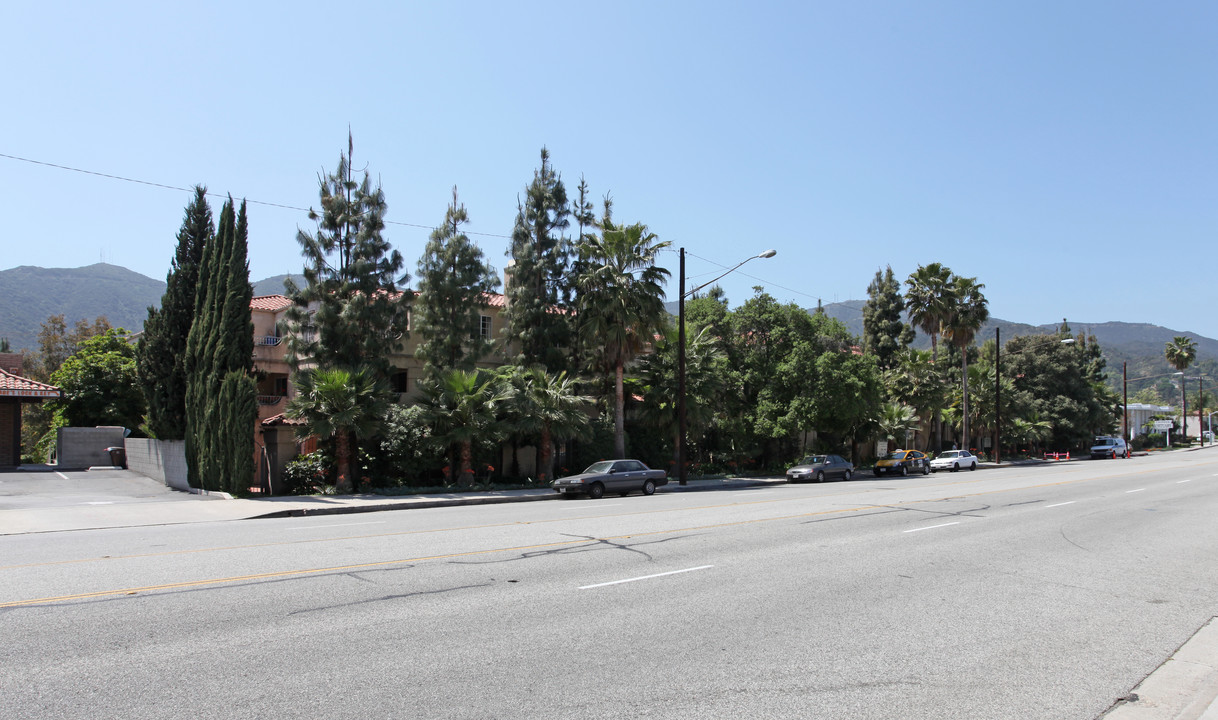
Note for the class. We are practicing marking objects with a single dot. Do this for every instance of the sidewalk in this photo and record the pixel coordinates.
(218, 507)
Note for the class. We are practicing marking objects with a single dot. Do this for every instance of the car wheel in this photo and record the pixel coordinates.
(955, 467)
(649, 487)
(820, 476)
(846, 475)
(596, 491)
(973, 466)
(926, 469)
(904, 470)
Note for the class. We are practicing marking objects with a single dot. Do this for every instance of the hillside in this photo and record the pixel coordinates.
(29, 295)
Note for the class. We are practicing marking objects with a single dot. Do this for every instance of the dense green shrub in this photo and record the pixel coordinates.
(309, 474)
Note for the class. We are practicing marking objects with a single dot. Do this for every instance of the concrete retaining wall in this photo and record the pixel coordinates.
(79, 448)
(163, 460)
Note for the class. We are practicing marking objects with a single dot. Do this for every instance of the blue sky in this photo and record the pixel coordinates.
(1065, 154)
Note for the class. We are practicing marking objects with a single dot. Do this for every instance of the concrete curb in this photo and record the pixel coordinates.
(1184, 687)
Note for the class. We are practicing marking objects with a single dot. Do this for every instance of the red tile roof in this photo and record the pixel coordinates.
(281, 419)
(16, 386)
(273, 303)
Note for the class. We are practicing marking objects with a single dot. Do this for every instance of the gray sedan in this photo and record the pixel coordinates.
(615, 476)
(821, 468)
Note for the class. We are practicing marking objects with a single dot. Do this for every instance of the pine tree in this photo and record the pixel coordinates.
(162, 360)
(884, 333)
(538, 281)
(453, 281)
(349, 313)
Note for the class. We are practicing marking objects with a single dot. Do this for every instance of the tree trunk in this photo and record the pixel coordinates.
(619, 415)
(964, 400)
(545, 453)
(343, 451)
(467, 473)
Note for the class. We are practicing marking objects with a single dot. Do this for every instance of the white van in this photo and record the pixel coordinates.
(1109, 447)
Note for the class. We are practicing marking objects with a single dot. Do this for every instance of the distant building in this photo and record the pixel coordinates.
(1140, 414)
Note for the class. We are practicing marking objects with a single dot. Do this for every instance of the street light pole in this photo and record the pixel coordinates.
(681, 423)
(997, 395)
(681, 376)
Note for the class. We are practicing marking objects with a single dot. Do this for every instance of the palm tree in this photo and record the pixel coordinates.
(461, 406)
(1180, 353)
(554, 407)
(928, 304)
(342, 404)
(621, 303)
(969, 311)
(897, 417)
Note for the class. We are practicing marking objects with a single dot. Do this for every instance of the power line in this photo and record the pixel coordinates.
(212, 194)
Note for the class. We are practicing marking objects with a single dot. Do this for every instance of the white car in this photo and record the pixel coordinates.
(954, 460)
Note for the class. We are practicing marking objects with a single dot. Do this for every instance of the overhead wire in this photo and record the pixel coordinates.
(211, 194)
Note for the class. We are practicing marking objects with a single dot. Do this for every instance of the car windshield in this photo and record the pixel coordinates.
(898, 455)
(950, 454)
(599, 467)
(1105, 441)
(813, 460)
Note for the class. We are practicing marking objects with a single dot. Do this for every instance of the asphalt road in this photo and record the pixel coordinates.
(1044, 592)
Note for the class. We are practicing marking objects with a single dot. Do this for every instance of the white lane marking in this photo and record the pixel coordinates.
(646, 577)
(315, 527)
(1184, 481)
(101, 502)
(1071, 502)
(65, 477)
(598, 506)
(1134, 491)
(932, 527)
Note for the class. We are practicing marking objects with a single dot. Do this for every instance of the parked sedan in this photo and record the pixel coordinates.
(615, 476)
(954, 460)
(903, 462)
(821, 468)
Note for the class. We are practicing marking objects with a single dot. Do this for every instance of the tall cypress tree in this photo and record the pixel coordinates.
(349, 314)
(538, 280)
(221, 401)
(453, 278)
(162, 360)
(884, 333)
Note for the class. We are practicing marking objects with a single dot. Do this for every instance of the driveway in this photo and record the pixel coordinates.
(20, 489)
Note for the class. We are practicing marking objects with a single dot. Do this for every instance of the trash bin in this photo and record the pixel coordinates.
(118, 456)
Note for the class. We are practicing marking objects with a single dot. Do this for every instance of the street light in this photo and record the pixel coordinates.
(681, 354)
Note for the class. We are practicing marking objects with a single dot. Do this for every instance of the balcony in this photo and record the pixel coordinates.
(269, 400)
(267, 340)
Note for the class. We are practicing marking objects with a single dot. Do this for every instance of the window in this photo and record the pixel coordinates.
(400, 382)
(486, 327)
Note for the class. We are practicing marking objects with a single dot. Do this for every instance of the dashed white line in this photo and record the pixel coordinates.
(316, 527)
(65, 477)
(1069, 502)
(932, 527)
(1184, 481)
(1134, 491)
(101, 502)
(646, 577)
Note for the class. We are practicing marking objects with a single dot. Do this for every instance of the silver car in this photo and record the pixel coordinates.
(614, 476)
(821, 468)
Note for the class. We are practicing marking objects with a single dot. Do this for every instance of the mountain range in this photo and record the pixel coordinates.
(29, 295)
